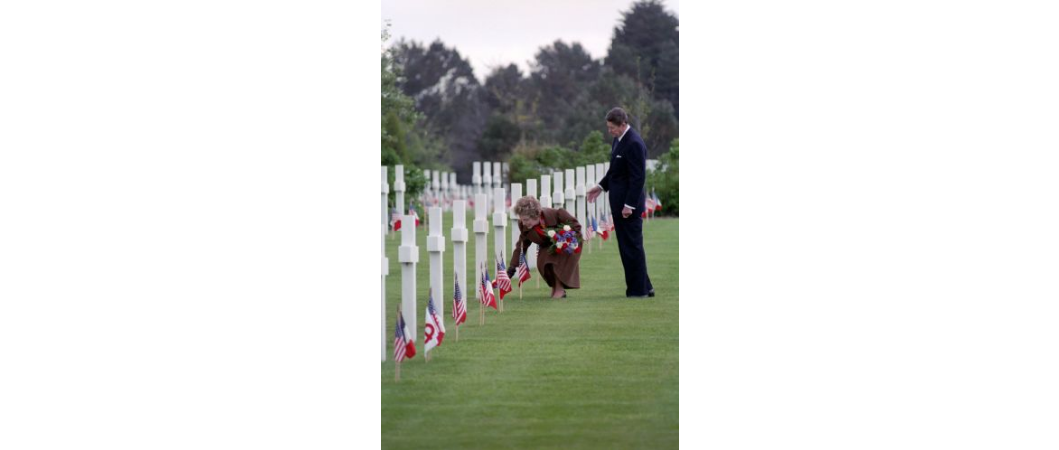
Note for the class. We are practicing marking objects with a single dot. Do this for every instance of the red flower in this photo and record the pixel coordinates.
(578, 249)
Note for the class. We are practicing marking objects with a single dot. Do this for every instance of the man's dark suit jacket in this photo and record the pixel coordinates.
(626, 177)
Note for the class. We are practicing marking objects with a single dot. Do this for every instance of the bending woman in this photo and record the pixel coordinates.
(559, 270)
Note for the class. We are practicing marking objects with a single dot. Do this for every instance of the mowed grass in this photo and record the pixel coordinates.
(595, 370)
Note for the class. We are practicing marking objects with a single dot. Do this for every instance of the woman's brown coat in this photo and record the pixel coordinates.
(550, 265)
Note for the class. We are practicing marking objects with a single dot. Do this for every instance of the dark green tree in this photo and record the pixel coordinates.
(645, 46)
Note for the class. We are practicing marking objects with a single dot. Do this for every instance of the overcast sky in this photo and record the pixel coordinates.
(491, 33)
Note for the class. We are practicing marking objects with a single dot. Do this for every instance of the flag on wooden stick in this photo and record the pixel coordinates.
(434, 328)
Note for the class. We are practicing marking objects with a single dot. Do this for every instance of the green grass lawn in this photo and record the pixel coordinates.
(595, 370)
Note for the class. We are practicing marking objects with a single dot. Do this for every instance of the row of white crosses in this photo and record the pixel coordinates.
(572, 199)
(443, 188)
(407, 257)
(408, 254)
(484, 181)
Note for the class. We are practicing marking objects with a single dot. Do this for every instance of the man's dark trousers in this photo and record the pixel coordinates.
(630, 247)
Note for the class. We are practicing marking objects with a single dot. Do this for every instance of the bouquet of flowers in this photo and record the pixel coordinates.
(563, 237)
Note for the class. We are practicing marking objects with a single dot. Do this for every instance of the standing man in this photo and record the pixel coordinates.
(625, 182)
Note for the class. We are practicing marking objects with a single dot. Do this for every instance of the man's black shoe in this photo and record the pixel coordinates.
(651, 294)
(639, 296)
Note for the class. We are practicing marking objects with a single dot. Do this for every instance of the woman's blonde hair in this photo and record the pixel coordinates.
(527, 207)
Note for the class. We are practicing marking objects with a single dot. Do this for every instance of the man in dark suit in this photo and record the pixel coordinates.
(625, 182)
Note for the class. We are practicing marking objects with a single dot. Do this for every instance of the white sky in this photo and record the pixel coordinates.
(490, 33)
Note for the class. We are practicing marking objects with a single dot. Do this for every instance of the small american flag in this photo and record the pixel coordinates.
(459, 306)
(658, 201)
(522, 272)
(403, 345)
(503, 283)
(434, 329)
(488, 299)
